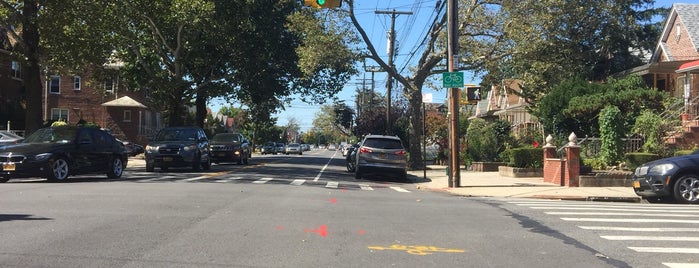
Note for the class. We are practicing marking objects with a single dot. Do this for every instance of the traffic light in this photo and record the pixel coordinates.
(473, 95)
(323, 3)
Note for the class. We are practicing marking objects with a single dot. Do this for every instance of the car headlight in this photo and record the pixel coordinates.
(661, 169)
(151, 148)
(42, 157)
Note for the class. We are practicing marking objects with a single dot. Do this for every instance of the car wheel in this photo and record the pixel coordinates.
(149, 167)
(116, 168)
(59, 169)
(300, 153)
(196, 164)
(686, 189)
(4, 179)
(207, 164)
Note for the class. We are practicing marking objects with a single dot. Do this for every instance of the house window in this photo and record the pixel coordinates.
(127, 115)
(109, 86)
(59, 114)
(76, 82)
(55, 85)
(16, 70)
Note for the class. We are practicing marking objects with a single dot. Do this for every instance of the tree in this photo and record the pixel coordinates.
(550, 41)
(52, 36)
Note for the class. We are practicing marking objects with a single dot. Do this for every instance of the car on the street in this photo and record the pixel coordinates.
(7, 137)
(331, 147)
(269, 148)
(669, 178)
(179, 147)
(281, 147)
(58, 152)
(293, 148)
(381, 154)
(230, 147)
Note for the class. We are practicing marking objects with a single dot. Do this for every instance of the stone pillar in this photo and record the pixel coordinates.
(549, 166)
(572, 167)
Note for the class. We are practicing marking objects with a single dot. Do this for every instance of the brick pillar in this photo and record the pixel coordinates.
(549, 153)
(572, 169)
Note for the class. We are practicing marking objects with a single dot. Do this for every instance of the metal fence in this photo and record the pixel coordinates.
(591, 147)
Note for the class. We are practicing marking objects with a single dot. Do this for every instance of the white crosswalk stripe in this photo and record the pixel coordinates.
(332, 184)
(365, 187)
(263, 180)
(398, 189)
(298, 182)
(229, 179)
(667, 229)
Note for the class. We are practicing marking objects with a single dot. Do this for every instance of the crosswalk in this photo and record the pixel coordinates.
(271, 180)
(667, 231)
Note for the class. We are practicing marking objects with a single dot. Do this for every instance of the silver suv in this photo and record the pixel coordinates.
(379, 154)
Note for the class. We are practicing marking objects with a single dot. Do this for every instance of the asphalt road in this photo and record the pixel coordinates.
(285, 211)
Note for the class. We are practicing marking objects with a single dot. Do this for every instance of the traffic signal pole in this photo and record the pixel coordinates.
(453, 45)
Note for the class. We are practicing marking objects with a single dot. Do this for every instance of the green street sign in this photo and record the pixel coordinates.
(453, 79)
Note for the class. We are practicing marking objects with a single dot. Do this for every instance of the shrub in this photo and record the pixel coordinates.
(59, 124)
(634, 160)
(683, 152)
(595, 163)
(611, 123)
(526, 157)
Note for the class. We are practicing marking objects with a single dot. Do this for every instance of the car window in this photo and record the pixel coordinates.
(176, 135)
(85, 137)
(52, 135)
(383, 143)
(226, 137)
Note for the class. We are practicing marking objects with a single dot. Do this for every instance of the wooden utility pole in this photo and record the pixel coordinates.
(391, 48)
(453, 46)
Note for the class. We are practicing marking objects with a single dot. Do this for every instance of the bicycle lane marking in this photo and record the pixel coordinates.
(324, 167)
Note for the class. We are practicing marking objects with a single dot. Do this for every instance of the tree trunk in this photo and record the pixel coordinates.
(200, 102)
(415, 114)
(32, 70)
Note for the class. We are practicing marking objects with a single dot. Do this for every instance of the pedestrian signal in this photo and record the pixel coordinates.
(323, 3)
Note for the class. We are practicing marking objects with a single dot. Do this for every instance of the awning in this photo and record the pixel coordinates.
(689, 67)
(125, 101)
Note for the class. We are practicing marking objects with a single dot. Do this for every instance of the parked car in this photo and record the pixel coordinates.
(269, 148)
(230, 147)
(281, 147)
(379, 154)
(7, 137)
(58, 152)
(293, 148)
(669, 178)
(179, 147)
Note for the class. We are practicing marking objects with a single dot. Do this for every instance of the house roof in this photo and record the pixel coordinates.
(689, 67)
(124, 101)
(688, 14)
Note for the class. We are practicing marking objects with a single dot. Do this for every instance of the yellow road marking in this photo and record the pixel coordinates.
(418, 250)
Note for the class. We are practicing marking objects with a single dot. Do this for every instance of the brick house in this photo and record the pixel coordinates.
(104, 101)
(673, 67)
(11, 108)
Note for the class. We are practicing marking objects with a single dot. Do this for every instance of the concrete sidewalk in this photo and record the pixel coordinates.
(491, 184)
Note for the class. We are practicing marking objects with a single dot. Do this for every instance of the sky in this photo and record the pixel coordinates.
(410, 29)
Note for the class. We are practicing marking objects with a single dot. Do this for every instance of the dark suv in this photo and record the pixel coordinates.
(669, 178)
(58, 152)
(230, 147)
(179, 147)
(379, 154)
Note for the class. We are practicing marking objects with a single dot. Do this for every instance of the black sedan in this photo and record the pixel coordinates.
(58, 152)
(669, 178)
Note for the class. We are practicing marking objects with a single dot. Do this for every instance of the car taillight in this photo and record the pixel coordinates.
(401, 153)
(364, 150)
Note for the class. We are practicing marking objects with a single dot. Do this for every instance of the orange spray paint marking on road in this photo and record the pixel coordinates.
(333, 200)
(361, 232)
(323, 230)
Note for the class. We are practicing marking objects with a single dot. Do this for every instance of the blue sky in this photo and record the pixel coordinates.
(409, 30)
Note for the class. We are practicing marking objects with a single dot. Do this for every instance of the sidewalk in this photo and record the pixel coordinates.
(491, 184)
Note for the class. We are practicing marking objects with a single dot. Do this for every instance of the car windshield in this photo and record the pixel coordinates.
(383, 143)
(176, 135)
(226, 138)
(52, 135)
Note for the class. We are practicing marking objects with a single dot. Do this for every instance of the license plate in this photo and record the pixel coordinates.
(636, 184)
(221, 154)
(8, 166)
(167, 159)
(382, 155)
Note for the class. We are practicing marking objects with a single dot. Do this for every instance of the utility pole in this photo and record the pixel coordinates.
(373, 69)
(391, 47)
(453, 46)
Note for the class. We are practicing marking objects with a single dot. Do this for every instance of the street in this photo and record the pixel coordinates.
(307, 211)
